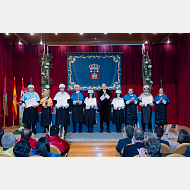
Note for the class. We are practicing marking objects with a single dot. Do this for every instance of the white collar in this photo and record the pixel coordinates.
(77, 92)
(46, 98)
(130, 94)
(146, 93)
(160, 94)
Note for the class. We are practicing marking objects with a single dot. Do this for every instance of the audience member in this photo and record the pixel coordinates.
(26, 134)
(1, 134)
(7, 141)
(55, 140)
(128, 134)
(137, 143)
(42, 148)
(22, 149)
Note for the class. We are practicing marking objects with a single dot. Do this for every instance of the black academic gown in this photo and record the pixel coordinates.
(131, 114)
(104, 106)
(89, 117)
(146, 114)
(118, 116)
(62, 115)
(161, 114)
(46, 117)
(77, 112)
(30, 115)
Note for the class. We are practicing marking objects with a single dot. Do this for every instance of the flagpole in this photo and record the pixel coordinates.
(4, 121)
(13, 113)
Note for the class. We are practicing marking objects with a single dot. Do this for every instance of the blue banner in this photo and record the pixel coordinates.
(91, 70)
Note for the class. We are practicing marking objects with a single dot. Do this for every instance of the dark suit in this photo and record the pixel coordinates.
(164, 142)
(122, 143)
(131, 150)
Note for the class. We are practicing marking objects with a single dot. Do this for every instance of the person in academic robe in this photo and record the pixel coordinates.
(146, 109)
(62, 111)
(77, 108)
(131, 101)
(90, 112)
(46, 104)
(104, 96)
(161, 101)
(118, 112)
(30, 115)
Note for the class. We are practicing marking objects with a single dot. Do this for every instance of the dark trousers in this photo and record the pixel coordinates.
(118, 127)
(74, 127)
(65, 151)
(161, 125)
(89, 128)
(101, 125)
(33, 127)
(149, 126)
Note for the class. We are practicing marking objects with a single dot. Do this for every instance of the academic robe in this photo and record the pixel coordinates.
(89, 114)
(146, 111)
(161, 110)
(77, 108)
(32, 142)
(61, 144)
(30, 115)
(104, 106)
(62, 114)
(131, 109)
(118, 114)
(46, 117)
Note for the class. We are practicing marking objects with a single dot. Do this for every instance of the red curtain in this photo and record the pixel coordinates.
(163, 59)
(6, 70)
(183, 81)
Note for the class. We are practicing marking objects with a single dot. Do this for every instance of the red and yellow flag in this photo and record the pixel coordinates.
(14, 107)
(5, 105)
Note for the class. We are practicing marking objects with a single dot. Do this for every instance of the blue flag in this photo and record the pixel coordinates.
(91, 70)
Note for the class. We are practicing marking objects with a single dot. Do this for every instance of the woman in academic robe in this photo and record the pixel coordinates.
(90, 111)
(161, 101)
(46, 104)
(30, 115)
(62, 111)
(104, 96)
(118, 112)
(131, 101)
(77, 108)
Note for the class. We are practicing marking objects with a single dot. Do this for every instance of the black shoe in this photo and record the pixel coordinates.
(73, 131)
(108, 131)
(80, 131)
(88, 131)
(101, 131)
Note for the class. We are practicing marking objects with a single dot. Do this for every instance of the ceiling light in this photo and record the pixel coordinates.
(19, 42)
(56, 33)
(155, 33)
(7, 33)
(95, 38)
(31, 33)
(105, 33)
(146, 42)
(168, 41)
(130, 33)
(81, 33)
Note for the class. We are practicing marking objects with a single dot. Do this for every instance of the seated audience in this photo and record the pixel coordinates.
(26, 134)
(187, 152)
(128, 134)
(1, 134)
(137, 143)
(183, 137)
(158, 133)
(7, 141)
(42, 148)
(152, 148)
(55, 140)
(22, 149)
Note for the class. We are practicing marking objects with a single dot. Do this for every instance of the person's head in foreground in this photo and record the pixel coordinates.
(153, 148)
(158, 132)
(129, 130)
(54, 130)
(183, 136)
(8, 140)
(22, 149)
(26, 134)
(1, 134)
(43, 147)
(138, 135)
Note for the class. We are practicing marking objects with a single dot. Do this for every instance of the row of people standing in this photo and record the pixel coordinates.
(77, 100)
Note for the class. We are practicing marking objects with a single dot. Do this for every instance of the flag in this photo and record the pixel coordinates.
(5, 105)
(14, 107)
(22, 91)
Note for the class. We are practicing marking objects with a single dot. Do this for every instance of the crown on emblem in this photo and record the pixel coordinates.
(94, 67)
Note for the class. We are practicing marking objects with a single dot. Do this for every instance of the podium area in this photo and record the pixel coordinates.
(96, 128)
